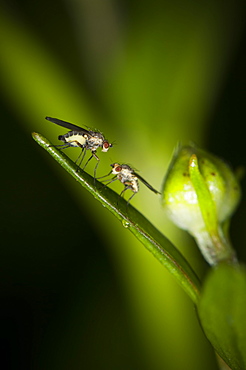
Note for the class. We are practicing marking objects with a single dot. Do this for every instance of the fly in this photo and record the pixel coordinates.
(129, 178)
(82, 138)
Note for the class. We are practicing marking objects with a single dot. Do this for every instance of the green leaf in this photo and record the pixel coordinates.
(133, 220)
(222, 310)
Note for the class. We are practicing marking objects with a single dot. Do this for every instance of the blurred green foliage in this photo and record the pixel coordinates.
(222, 312)
(148, 75)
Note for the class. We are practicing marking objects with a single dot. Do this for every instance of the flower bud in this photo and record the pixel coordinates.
(200, 193)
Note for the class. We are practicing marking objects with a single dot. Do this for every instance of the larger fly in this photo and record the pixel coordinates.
(129, 178)
(82, 138)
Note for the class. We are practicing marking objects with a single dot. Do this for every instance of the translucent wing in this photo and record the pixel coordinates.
(146, 183)
(69, 126)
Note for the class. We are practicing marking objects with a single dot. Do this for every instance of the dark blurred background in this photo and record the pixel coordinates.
(77, 290)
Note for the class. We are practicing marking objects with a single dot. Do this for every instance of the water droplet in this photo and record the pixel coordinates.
(125, 223)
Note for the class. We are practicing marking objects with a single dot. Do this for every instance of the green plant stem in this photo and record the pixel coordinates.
(134, 221)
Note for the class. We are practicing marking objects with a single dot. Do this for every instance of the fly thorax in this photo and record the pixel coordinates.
(126, 173)
(94, 142)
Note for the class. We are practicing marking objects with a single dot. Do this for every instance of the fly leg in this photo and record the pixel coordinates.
(112, 180)
(130, 198)
(123, 191)
(101, 177)
(80, 158)
(93, 154)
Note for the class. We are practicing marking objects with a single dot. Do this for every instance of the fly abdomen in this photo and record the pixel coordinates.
(74, 138)
(134, 185)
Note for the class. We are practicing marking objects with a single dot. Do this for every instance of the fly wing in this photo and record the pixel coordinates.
(146, 183)
(69, 126)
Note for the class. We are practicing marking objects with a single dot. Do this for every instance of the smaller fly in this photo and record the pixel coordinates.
(129, 179)
(82, 138)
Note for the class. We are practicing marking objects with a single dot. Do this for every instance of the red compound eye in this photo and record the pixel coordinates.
(118, 168)
(106, 145)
